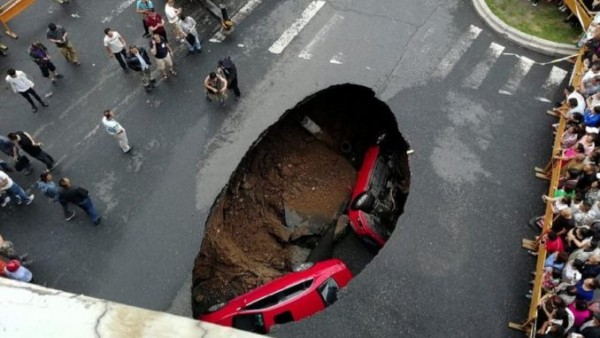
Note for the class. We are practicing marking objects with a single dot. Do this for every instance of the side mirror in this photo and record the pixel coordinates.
(364, 202)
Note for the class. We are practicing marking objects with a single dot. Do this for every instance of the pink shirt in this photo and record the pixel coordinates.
(580, 316)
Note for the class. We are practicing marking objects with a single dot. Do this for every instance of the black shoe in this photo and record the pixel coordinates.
(129, 150)
(59, 76)
(153, 81)
(146, 35)
(45, 104)
(97, 221)
(34, 109)
(29, 171)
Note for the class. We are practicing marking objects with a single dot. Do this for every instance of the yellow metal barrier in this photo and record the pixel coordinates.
(11, 9)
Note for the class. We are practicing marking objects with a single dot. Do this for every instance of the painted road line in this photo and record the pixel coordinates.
(517, 75)
(307, 52)
(278, 46)
(456, 52)
(120, 9)
(337, 59)
(555, 78)
(237, 18)
(483, 68)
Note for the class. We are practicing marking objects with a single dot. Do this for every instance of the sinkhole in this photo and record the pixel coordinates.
(328, 180)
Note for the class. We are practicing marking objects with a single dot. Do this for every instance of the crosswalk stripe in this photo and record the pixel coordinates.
(555, 78)
(278, 46)
(517, 75)
(482, 69)
(337, 59)
(307, 52)
(456, 52)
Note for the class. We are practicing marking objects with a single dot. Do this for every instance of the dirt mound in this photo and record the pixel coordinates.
(247, 241)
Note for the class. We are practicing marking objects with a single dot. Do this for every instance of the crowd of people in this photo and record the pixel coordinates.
(19, 146)
(568, 307)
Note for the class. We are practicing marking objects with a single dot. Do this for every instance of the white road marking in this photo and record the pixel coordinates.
(455, 53)
(237, 18)
(555, 78)
(517, 75)
(307, 52)
(120, 9)
(482, 69)
(542, 99)
(278, 46)
(337, 59)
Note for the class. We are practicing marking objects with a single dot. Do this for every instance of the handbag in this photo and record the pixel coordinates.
(22, 163)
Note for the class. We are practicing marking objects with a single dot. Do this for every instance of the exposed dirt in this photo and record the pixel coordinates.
(247, 242)
(289, 188)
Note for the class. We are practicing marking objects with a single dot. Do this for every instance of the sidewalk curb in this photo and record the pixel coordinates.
(524, 40)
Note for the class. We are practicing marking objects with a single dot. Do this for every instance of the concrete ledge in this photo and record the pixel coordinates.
(30, 310)
(524, 40)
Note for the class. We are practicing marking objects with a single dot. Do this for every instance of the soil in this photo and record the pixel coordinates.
(247, 242)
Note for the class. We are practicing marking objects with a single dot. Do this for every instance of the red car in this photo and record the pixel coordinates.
(292, 297)
(376, 201)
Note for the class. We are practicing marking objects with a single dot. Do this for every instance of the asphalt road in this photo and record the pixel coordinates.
(454, 265)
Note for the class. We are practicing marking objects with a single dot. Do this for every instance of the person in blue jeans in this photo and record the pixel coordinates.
(13, 190)
(78, 196)
(50, 190)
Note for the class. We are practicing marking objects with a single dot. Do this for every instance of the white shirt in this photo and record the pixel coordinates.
(580, 100)
(143, 63)
(3, 177)
(114, 42)
(20, 83)
(112, 127)
(171, 12)
(188, 26)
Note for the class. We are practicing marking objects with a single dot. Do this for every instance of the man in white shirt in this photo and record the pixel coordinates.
(14, 191)
(115, 46)
(19, 83)
(115, 129)
(172, 14)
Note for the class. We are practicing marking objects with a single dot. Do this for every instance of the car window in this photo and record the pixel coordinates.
(284, 317)
(250, 322)
(280, 296)
(328, 291)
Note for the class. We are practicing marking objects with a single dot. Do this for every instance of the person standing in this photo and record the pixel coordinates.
(14, 191)
(227, 68)
(188, 32)
(19, 83)
(172, 14)
(139, 61)
(156, 24)
(115, 46)
(50, 190)
(215, 86)
(58, 35)
(78, 196)
(143, 7)
(162, 53)
(115, 129)
(39, 54)
(31, 147)
(11, 150)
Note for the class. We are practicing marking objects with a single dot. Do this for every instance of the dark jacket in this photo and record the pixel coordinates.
(134, 63)
(75, 195)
